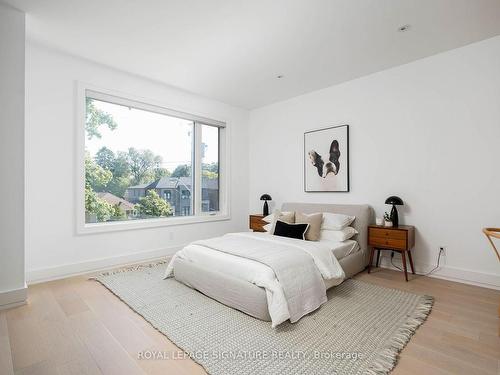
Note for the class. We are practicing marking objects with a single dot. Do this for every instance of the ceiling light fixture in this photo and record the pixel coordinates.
(403, 28)
(280, 76)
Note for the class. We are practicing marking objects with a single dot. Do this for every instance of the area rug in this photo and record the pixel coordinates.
(360, 330)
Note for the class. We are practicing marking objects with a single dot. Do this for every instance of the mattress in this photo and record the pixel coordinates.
(236, 266)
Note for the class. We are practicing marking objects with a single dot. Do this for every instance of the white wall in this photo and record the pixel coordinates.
(52, 247)
(12, 286)
(428, 131)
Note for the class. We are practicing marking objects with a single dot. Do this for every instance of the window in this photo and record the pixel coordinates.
(143, 162)
(210, 168)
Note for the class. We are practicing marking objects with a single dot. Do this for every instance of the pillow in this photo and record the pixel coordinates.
(314, 221)
(268, 227)
(270, 218)
(287, 217)
(290, 230)
(336, 221)
(338, 235)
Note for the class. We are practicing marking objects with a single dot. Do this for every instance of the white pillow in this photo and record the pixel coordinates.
(270, 218)
(338, 235)
(268, 227)
(336, 221)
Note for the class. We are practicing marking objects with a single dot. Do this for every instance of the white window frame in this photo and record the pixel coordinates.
(84, 89)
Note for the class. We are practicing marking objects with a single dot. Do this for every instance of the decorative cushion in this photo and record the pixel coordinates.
(290, 230)
(287, 216)
(268, 227)
(338, 235)
(314, 221)
(336, 221)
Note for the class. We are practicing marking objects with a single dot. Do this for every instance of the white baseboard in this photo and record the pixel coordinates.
(465, 276)
(13, 298)
(67, 270)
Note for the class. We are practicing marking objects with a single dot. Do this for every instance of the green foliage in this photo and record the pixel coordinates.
(97, 207)
(100, 172)
(118, 185)
(142, 163)
(211, 167)
(96, 177)
(182, 170)
(118, 213)
(160, 172)
(115, 173)
(153, 206)
(95, 118)
(209, 175)
(119, 168)
(105, 158)
(210, 171)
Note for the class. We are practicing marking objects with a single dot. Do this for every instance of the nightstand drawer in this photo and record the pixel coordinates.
(388, 233)
(256, 223)
(391, 243)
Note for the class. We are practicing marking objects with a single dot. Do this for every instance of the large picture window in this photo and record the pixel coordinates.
(143, 163)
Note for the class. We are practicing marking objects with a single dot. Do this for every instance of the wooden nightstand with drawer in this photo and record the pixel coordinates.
(400, 239)
(256, 223)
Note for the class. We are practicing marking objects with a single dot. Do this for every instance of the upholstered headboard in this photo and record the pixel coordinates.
(364, 216)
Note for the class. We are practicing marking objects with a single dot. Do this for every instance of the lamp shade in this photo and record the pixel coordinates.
(265, 197)
(394, 201)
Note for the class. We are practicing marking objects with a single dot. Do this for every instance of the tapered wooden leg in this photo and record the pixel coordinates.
(378, 257)
(403, 256)
(411, 262)
(371, 259)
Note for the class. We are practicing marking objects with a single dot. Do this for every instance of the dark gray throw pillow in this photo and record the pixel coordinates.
(290, 230)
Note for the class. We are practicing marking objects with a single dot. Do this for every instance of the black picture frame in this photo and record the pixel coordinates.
(325, 154)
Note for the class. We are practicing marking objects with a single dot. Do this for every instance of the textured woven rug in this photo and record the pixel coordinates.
(360, 330)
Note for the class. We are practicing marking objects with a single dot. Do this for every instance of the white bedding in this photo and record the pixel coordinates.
(259, 273)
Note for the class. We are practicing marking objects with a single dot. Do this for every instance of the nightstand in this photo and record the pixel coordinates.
(256, 223)
(400, 239)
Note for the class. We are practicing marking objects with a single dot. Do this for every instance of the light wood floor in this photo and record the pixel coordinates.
(76, 326)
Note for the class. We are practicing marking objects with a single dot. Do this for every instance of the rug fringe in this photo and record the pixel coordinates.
(388, 357)
(135, 267)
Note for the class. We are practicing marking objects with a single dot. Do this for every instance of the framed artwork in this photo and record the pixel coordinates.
(326, 159)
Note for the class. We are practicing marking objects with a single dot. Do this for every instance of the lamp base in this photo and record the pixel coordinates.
(265, 211)
(394, 216)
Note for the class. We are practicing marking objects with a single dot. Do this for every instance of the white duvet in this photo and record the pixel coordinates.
(262, 275)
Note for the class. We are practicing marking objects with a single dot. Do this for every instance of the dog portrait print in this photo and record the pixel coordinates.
(326, 162)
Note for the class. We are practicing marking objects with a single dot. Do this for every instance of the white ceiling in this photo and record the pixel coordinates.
(232, 50)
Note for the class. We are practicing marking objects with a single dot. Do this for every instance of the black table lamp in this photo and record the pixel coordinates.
(395, 201)
(265, 198)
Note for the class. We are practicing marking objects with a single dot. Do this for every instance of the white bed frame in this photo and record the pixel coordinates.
(251, 299)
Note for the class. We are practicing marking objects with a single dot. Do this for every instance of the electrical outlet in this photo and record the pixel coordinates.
(442, 250)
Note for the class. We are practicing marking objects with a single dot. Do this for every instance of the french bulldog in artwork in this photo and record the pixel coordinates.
(330, 166)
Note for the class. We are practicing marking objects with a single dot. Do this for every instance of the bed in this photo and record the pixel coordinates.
(222, 276)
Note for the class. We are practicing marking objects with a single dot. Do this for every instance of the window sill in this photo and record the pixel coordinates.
(149, 223)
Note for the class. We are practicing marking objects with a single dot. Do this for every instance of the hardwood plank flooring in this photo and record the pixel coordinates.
(76, 326)
(5, 352)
